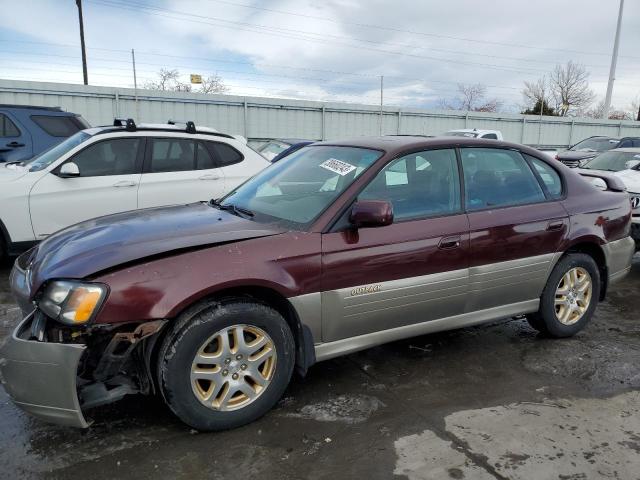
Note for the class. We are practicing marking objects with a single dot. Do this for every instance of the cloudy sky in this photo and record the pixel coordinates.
(331, 50)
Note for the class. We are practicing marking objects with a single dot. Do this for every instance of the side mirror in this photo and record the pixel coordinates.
(69, 170)
(371, 213)
(631, 164)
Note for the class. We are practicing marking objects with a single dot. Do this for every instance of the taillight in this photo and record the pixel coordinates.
(557, 157)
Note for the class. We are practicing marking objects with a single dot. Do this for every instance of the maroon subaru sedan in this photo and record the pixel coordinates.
(338, 247)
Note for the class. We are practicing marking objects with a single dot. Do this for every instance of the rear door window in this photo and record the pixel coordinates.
(498, 178)
(57, 126)
(172, 155)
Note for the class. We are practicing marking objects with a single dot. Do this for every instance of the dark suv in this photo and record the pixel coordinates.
(26, 131)
(579, 154)
(336, 248)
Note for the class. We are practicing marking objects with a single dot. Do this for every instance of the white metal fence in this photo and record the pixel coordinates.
(261, 118)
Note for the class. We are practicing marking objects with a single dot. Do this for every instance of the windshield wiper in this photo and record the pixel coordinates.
(230, 207)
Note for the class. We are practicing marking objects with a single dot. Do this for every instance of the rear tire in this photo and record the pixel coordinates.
(569, 298)
(226, 365)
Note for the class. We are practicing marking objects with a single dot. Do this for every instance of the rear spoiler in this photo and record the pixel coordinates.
(612, 183)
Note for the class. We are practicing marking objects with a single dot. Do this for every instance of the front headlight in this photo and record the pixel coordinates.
(72, 303)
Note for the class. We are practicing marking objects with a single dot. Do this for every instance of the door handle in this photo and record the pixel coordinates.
(555, 226)
(125, 183)
(449, 243)
(15, 144)
(209, 177)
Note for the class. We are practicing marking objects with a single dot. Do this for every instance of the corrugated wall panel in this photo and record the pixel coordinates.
(271, 118)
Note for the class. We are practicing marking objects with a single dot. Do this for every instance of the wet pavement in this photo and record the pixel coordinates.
(494, 401)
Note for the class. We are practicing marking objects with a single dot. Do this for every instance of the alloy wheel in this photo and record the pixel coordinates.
(573, 295)
(233, 367)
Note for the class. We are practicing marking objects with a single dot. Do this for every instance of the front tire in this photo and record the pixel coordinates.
(569, 298)
(226, 365)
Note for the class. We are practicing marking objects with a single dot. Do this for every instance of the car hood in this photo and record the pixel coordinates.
(631, 179)
(106, 242)
(577, 155)
(11, 172)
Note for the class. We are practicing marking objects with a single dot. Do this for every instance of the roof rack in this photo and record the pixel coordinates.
(190, 126)
(128, 123)
(131, 126)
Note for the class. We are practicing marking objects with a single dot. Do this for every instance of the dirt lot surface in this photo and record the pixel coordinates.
(495, 401)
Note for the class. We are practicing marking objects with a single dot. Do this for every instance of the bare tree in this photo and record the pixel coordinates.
(472, 98)
(537, 94)
(167, 80)
(213, 84)
(614, 113)
(570, 88)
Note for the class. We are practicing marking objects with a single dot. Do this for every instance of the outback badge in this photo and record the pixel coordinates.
(365, 289)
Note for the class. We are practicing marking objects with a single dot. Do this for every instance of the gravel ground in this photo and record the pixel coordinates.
(494, 401)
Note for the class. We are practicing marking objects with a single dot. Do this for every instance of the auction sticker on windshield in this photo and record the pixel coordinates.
(337, 166)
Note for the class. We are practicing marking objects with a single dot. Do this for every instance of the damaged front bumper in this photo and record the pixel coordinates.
(55, 380)
(40, 377)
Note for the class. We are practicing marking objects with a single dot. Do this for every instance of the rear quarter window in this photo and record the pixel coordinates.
(224, 154)
(548, 175)
(7, 127)
(57, 126)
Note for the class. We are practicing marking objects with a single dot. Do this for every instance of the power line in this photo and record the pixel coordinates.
(264, 30)
(218, 60)
(412, 32)
(324, 79)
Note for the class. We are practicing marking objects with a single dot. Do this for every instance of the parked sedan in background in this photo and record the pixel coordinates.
(475, 133)
(104, 170)
(336, 248)
(276, 149)
(625, 164)
(583, 151)
(26, 131)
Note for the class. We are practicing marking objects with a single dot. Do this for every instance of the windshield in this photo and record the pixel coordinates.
(272, 149)
(461, 134)
(612, 161)
(297, 189)
(47, 157)
(601, 144)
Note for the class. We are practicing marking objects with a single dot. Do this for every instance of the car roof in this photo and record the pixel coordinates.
(32, 107)
(399, 143)
(626, 150)
(292, 141)
(158, 127)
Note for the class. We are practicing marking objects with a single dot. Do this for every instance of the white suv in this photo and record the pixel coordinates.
(105, 170)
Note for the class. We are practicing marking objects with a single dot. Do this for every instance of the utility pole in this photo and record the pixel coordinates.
(381, 101)
(544, 89)
(614, 60)
(135, 84)
(84, 52)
